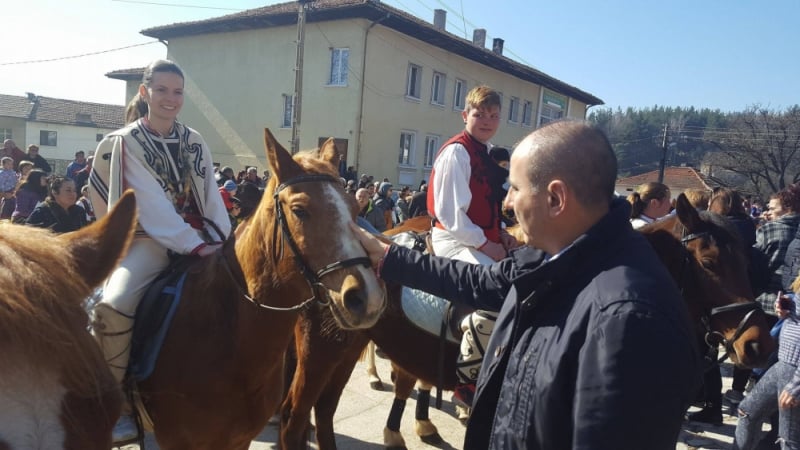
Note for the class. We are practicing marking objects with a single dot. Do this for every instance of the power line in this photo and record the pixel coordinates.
(177, 4)
(61, 58)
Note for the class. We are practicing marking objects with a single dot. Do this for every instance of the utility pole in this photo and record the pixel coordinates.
(298, 75)
(663, 154)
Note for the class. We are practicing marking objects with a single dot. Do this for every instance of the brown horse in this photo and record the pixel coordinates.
(56, 390)
(219, 376)
(702, 252)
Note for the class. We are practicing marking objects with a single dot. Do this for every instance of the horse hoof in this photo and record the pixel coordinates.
(432, 439)
(376, 385)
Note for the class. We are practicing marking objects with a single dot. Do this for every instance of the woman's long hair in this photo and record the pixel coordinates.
(34, 182)
(643, 195)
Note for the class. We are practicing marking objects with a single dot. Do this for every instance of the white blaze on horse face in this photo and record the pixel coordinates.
(348, 245)
(30, 407)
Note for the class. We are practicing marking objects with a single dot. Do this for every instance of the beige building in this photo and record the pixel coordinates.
(389, 86)
(59, 127)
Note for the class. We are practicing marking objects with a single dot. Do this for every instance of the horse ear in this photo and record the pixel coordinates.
(280, 161)
(328, 152)
(687, 214)
(98, 248)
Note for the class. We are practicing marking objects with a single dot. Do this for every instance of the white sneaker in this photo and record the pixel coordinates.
(125, 430)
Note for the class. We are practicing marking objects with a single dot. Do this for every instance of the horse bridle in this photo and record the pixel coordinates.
(312, 278)
(711, 334)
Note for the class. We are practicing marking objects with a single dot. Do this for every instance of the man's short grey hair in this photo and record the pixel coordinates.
(578, 154)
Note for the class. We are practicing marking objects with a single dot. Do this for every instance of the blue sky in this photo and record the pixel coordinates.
(717, 54)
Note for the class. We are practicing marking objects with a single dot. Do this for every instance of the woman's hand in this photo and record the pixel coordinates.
(786, 401)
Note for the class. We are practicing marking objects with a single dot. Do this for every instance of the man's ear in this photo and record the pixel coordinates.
(556, 196)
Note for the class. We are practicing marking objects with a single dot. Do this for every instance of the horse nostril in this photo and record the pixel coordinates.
(355, 302)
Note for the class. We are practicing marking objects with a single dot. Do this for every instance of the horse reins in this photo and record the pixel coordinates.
(705, 319)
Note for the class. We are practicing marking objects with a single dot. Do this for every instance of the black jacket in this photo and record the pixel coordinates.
(592, 349)
(50, 215)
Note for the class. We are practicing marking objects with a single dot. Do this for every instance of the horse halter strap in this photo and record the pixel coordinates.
(313, 278)
(749, 307)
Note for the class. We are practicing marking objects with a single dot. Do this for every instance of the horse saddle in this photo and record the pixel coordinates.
(428, 312)
(154, 316)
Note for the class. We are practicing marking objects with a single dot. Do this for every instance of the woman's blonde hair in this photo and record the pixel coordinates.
(646, 192)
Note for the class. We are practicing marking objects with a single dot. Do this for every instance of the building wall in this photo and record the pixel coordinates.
(16, 127)
(70, 139)
(235, 84)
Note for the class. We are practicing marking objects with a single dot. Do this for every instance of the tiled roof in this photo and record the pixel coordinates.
(678, 179)
(325, 10)
(127, 74)
(67, 112)
(15, 106)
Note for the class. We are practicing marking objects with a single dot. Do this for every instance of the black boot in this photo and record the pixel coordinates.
(711, 414)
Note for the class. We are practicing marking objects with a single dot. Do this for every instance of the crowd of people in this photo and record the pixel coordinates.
(569, 331)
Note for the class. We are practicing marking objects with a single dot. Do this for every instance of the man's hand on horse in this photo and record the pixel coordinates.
(509, 242)
(208, 249)
(375, 247)
(493, 250)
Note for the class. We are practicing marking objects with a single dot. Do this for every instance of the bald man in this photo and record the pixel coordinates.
(589, 320)
(11, 150)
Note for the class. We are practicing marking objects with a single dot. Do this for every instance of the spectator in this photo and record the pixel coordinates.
(418, 206)
(402, 204)
(32, 191)
(227, 191)
(382, 201)
(773, 239)
(76, 165)
(38, 161)
(698, 198)
(252, 177)
(8, 183)
(82, 176)
(11, 150)
(86, 204)
(58, 211)
(588, 318)
(650, 202)
(373, 216)
(226, 174)
(25, 168)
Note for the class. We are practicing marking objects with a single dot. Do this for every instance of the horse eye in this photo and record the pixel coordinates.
(300, 213)
(708, 264)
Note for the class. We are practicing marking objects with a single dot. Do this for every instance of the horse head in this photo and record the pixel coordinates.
(706, 257)
(306, 215)
(52, 371)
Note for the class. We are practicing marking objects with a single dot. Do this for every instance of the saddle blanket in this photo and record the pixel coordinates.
(426, 311)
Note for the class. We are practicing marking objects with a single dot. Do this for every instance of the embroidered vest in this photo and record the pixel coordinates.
(482, 210)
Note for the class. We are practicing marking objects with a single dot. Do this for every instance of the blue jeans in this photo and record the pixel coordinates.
(762, 403)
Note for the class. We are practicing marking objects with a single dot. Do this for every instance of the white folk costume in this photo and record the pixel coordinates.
(173, 180)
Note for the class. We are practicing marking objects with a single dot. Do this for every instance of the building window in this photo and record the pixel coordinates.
(437, 88)
(5, 133)
(98, 137)
(49, 138)
(513, 110)
(459, 94)
(431, 147)
(407, 142)
(552, 108)
(340, 58)
(287, 111)
(414, 85)
(527, 112)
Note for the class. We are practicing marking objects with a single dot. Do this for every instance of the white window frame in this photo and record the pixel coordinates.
(414, 84)
(5, 133)
(407, 148)
(340, 65)
(513, 110)
(431, 148)
(438, 84)
(550, 113)
(288, 110)
(527, 112)
(459, 94)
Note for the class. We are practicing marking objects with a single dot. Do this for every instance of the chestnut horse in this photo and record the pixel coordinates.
(219, 376)
(56, 391)
(701, 251)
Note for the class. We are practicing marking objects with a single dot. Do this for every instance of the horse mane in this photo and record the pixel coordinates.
(40, 309)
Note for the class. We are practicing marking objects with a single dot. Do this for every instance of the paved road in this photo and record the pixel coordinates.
(362, 413)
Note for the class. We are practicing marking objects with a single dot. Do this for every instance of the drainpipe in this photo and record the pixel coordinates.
(360, 116)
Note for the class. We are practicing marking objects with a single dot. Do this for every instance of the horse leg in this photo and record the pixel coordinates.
(328, 400)
(423, 426)
(403, 386)
(372, 370)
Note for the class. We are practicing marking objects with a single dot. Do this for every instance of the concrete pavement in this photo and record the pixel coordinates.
(362, 414)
